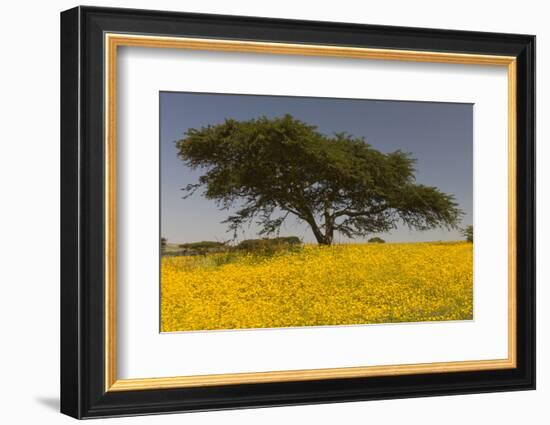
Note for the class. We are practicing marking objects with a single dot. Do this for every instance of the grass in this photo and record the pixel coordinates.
(315, 285)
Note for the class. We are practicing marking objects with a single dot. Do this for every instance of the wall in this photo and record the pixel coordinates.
(29, 171)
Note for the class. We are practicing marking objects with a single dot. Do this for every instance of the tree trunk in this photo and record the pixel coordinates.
(329, 235)
(322, 238)
(329, 227)
(319, 236)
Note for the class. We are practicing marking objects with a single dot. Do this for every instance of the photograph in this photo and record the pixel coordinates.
(287, 211)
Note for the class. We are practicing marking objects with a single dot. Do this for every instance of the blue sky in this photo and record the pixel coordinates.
(438, 135)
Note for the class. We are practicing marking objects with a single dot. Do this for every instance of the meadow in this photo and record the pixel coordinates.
(314, 285)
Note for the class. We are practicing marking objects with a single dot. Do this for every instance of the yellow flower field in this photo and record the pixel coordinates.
(318, 285)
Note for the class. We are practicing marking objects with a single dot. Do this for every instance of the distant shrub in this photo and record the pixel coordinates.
(376, 240)
(202, 245)
(291, 240)
(269, 246)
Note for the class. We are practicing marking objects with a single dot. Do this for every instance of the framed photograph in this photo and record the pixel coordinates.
(261, 212)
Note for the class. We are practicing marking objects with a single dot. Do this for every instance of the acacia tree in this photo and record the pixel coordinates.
(270, 169)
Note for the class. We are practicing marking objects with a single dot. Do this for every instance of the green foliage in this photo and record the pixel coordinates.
(271, 169)
(252, 244)
(202, 245)
(271, 246)
(468, 233)
(376, 240)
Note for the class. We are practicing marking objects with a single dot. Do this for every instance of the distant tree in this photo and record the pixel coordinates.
(468, 233)
(163, 242)
(376, 240)
(271, 169)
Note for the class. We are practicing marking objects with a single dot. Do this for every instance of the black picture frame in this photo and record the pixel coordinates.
(82, 212)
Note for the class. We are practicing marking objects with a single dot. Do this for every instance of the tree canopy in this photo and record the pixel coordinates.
(271, 168)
